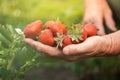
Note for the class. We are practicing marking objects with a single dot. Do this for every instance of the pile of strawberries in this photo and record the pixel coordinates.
(56, 34)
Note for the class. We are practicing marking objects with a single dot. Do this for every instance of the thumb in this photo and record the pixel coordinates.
(78, 49)
(89, 46)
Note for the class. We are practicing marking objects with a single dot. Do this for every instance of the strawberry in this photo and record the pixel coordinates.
(82, 30)
(66, 41)
(90, 29)
(58, 27)
(84, 33)
(46, 37)
(49, 24)
(33, 29)
(62, 41)
(77, 34)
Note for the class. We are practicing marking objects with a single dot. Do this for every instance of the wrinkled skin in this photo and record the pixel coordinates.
(97, 12)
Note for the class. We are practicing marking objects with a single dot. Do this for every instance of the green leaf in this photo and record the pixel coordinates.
(4, 40)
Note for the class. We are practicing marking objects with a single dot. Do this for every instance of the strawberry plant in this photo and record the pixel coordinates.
(11, 45)
(15, 56)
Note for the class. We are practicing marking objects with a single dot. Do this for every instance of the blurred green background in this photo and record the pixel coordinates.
(18, 13)
(22, 12)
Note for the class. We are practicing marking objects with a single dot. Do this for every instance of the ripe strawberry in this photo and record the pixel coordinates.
(78, 34)
(33, 29)
(82, 30)
(49, 24)
(62, 41)
(66, 41)
(90, 29)
(82, 37)
(46, 37)
(84, 33)
(58, 27)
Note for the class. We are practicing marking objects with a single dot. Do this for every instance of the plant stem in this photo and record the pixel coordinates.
(10, 62)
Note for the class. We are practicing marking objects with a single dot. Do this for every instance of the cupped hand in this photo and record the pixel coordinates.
(89, 48)
(98, 12)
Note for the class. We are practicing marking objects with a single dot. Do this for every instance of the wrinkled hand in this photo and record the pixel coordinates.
(93, 46)
(98, 11)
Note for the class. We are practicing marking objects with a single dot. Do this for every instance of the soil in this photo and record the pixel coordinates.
(50, 74)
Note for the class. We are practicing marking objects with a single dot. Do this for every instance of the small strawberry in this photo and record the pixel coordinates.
(66, 41)
(90, 29)
(84, 33)
(77, 34)
(46, 37)
(62, 41)
(59, 40)
(33, 29)
(82, 30)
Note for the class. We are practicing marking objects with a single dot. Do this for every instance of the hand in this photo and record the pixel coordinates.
(91, 47)
(98, 11)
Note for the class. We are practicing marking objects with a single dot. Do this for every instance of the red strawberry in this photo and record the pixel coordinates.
(90, 29)
(58, 27)
(84, 33)
(66, 41)
(49, 24)
(33, 29)
(79, 34)
(46, 37)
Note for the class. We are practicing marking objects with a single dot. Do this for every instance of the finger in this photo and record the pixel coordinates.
(29, 42)
(89, 47)
(101, 30)
(47, 50)
(100, 27)
(110, 21)
(87, 19)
